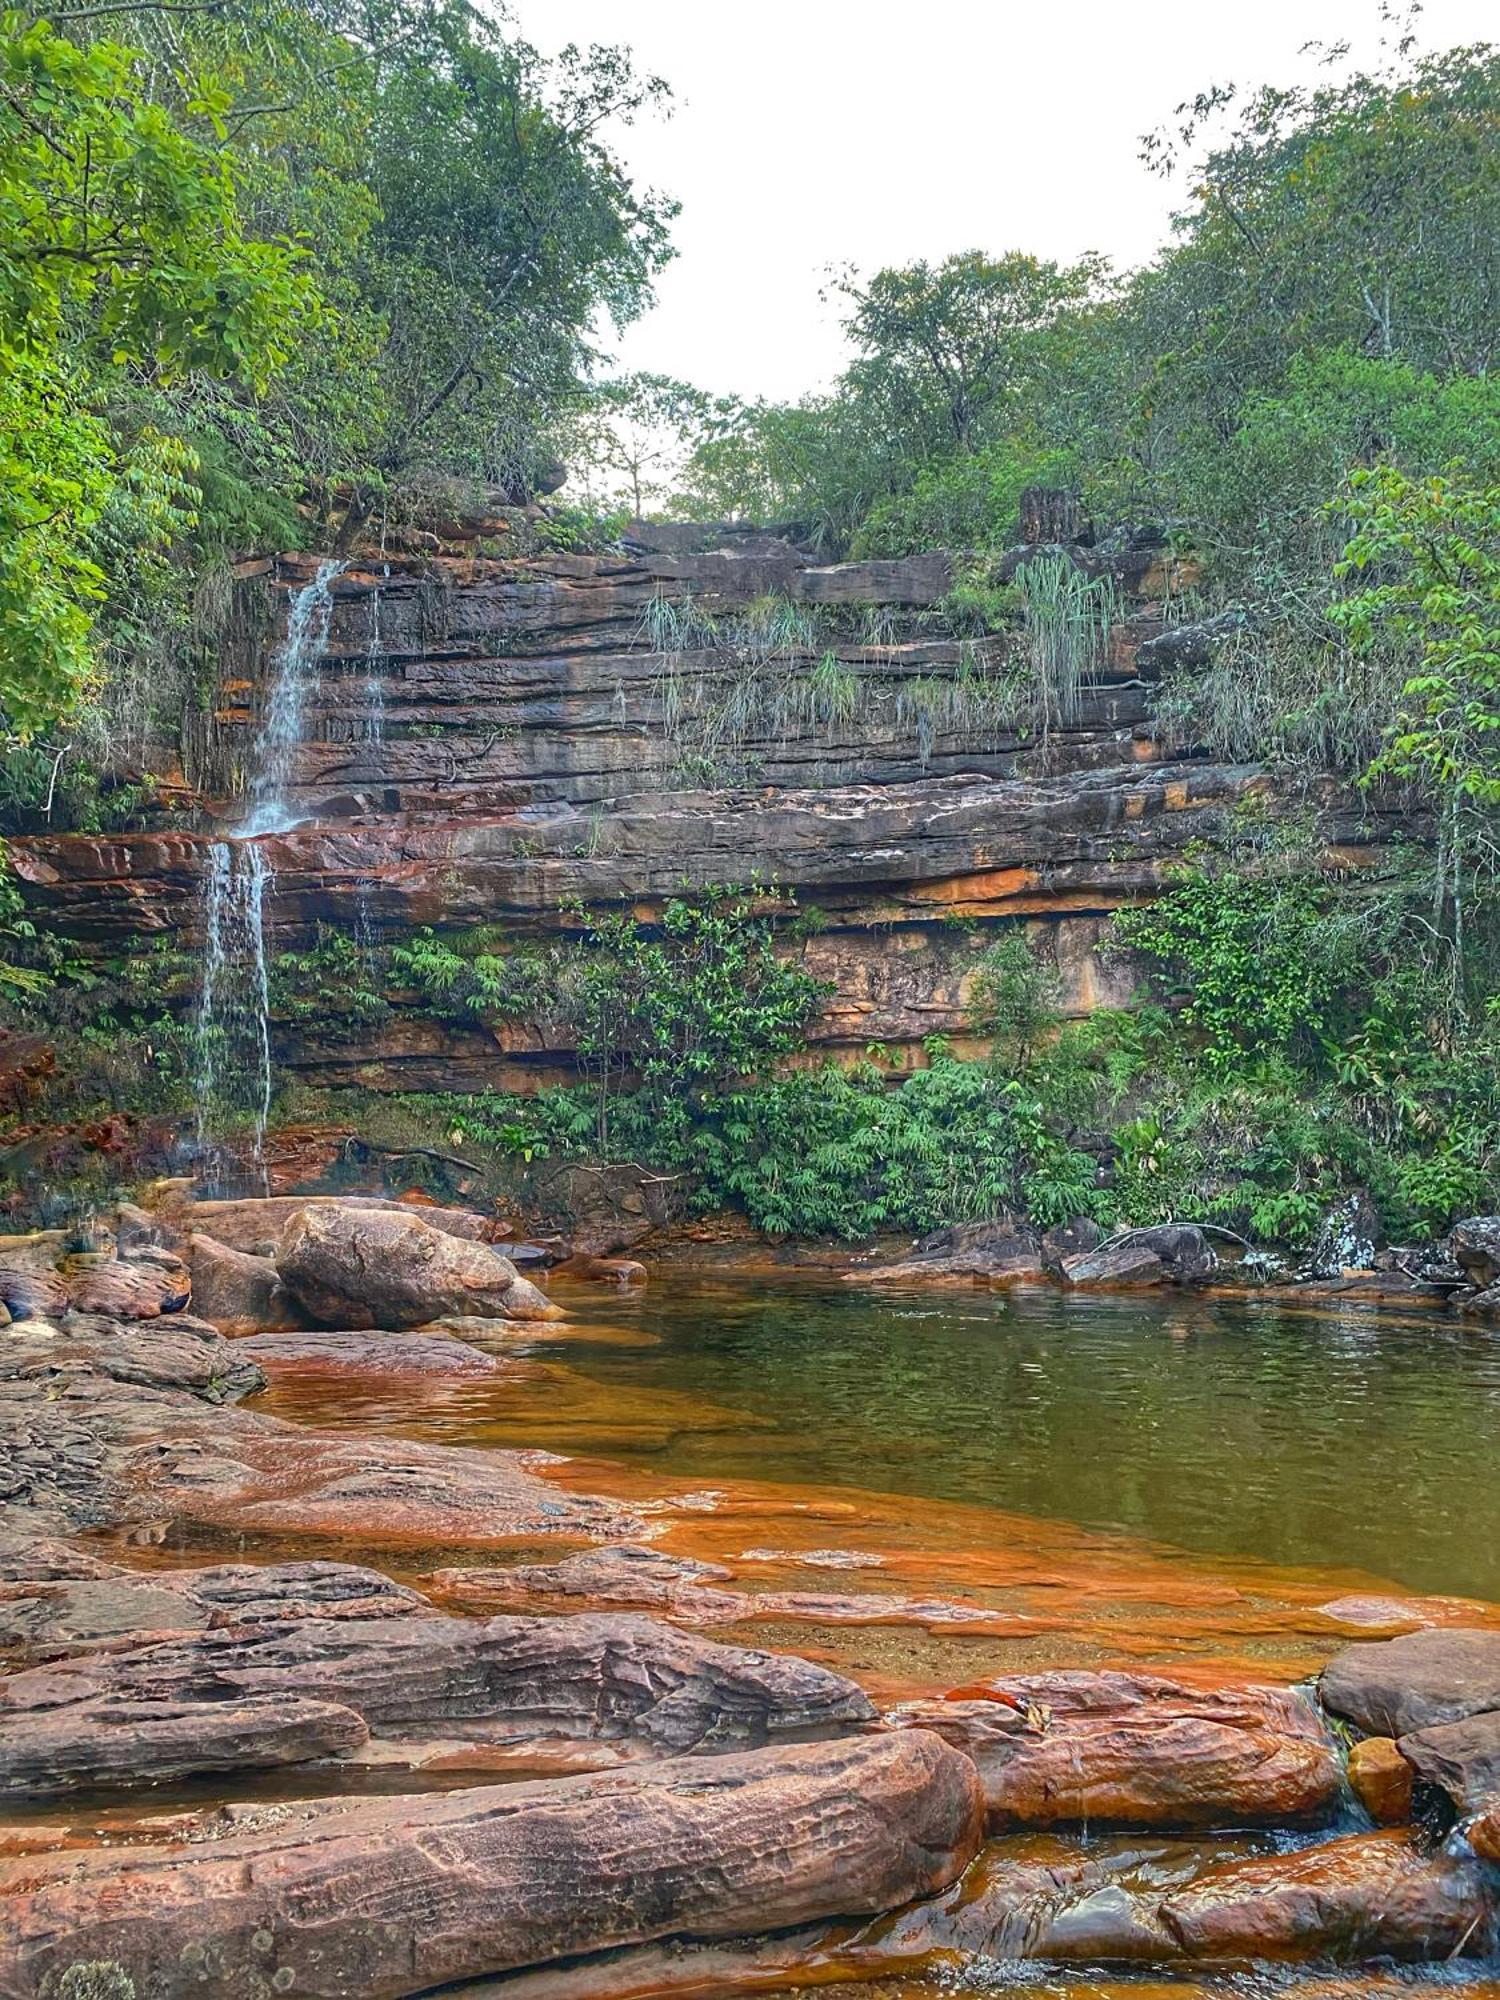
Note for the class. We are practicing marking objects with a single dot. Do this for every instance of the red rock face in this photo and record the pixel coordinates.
(390, 1897)
(1135, 1750)
(523, 761)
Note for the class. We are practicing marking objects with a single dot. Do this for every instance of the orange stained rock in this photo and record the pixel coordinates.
(1382, 1780)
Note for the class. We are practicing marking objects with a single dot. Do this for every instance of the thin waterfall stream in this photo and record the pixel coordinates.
(232, 1023)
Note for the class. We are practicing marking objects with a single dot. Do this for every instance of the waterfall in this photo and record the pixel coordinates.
(232, 1023)
(232, 1028)
(281, 729)
(373, 735)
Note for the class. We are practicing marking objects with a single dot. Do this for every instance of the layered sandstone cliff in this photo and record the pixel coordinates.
(493, 743)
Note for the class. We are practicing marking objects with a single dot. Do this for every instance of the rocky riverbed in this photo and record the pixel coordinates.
(297, 1707)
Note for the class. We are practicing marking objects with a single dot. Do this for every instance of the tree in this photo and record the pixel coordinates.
(945, 346)
(636, 429)
(121, 251)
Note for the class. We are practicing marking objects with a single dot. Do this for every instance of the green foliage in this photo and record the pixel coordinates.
(335, 988)
(1427, 553)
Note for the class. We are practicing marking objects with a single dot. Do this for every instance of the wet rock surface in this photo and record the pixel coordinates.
(646, 1578)
(391, 1897)
(375, 1353)
(641, 1688)
(1368, 1896)
(1136, 1750)
(1394, 1686)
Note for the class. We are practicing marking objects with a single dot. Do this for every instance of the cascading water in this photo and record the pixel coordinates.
(372, 733)
(232, 1026)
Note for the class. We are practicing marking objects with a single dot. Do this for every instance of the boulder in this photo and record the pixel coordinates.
(389, 1897)
(1114, 1264)
(1068, 1239)
(1349, 1237)
(1460, 1758)
(247, 1223)
(30, 1293)
(1135, 1750)
(1374, 1895)
(636, 1688)
(143, 1285)
(351, 1267)
(237, 1292)
(1004, 1249)
(1474, 1245)
(1182, 1246)
(1381, 1780)
(1393, 1686)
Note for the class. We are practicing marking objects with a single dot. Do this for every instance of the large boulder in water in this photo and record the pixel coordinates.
(359, 1267)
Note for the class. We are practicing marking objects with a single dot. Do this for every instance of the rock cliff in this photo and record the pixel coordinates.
(486, 742)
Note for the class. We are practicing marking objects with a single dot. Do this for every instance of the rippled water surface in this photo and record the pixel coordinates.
(1336, 1439)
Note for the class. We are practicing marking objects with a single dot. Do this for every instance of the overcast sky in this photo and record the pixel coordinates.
(812, 132)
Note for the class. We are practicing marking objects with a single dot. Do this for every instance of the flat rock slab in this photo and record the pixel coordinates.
(391, 1897)
(60, 1615)
(1135, 1750)
(646, 1579)
(173, 1351)
(1394, 1686)
(644, 1688)
(1369, 1896)
(368, 1353)
(279, 1479)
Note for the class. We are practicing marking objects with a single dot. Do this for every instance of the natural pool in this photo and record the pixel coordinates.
(1341, 1440)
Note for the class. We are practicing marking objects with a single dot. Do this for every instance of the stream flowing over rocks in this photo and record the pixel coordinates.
(381, 1734)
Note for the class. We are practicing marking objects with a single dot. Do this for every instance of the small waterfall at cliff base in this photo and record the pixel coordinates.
(232, 1076)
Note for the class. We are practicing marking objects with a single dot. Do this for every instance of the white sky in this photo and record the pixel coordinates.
(813, 132)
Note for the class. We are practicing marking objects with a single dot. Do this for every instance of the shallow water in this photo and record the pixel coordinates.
(1344, 1440)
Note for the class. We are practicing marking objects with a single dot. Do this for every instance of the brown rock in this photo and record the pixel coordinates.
(145, 1741)
(30, 1293)
(144, 1285)
(64, 1614)
(1394, 1686)
(1115, 1264)
(390, 1897)
(373, 1353)
(644, 1578)
(175, 1351)
(1460, 1758)
(1135, 1750)
(376, 1267)
(1382, 1780)
(603, 1270)
(246, 1223)
(1369, 1896)
(239, 1293)
(635, 1687)
(1005, 1249)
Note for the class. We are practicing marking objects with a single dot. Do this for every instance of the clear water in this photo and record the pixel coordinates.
(1340, 1439)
